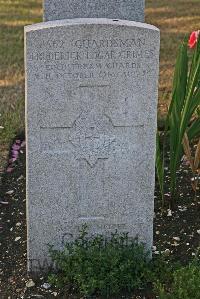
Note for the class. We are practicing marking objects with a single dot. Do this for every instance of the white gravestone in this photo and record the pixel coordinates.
(91, 105)
(112, 9)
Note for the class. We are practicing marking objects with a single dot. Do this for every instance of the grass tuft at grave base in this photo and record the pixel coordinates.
(175, 19)
(176, 238)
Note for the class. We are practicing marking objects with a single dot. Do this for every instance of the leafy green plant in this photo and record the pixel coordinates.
(183, 108)
(185, 283)
(106, 266)
(118, 265)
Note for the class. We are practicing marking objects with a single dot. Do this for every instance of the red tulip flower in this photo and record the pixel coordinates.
(193, 39)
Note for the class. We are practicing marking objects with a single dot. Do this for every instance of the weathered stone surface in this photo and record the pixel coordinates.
(91, 105)
(113, 9)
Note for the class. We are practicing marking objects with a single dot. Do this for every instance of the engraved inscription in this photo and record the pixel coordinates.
(107, 43)
(89, 55)
(93, 59)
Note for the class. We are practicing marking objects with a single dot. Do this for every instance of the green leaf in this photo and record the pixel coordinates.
(194, 129)
(175, 112)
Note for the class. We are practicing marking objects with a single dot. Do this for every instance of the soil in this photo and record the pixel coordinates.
(176, 233)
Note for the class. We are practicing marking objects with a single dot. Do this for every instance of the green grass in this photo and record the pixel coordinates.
(175, 19)
(14, 15)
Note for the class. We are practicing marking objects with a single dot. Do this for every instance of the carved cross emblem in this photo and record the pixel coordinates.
(90, 139)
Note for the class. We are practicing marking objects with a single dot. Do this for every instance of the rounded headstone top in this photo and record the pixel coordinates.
(88, 21)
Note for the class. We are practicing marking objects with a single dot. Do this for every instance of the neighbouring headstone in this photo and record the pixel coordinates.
(91, 105)
(112, 9)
